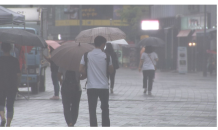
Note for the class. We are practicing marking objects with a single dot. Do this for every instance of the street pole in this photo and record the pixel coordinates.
(80, 18)
(204, 46)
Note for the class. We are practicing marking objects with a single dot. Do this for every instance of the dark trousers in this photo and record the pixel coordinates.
(112, 79)
(70, 100)
(54, 76)
(103, 95)
(148, 76)
(10, 95)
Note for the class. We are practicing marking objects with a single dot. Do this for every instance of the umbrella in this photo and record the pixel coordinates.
(111, 34)
(53, 44)
(68, 55)
(151, 41)
(122, 42)
(21, 37)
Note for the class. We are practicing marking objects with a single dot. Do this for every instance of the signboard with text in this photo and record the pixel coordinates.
(182, 60)
(31, 14)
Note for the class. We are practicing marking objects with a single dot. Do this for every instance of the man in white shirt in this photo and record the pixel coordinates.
(97, 81)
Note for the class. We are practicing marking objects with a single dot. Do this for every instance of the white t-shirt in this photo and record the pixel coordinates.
(147, 64)
(96, 71)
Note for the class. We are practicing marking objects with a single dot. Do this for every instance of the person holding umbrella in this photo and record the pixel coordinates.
(110, 51)
(147, 60)
(68, 57)
(98, 65)
(9, 78)
(54, 76)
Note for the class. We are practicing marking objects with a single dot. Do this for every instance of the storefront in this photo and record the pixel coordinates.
(187, 37)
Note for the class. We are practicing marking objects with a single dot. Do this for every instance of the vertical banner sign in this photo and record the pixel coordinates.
(182, 59)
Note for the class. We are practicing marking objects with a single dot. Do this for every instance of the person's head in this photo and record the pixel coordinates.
(100, 42)
(148, 49)
(109, 48)
(6, 47)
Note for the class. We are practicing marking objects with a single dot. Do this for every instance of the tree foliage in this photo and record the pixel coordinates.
(133, 14)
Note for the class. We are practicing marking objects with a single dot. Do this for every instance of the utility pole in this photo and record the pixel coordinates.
(204, 46)
(80, 18)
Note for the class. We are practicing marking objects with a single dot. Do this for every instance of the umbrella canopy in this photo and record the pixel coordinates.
(68, 55)
(121, 42)
(21, 37)
(111, 34)
(53, 44)
(8, 17)
(151, 41)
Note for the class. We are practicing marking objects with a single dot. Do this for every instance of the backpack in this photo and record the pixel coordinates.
(86, 64)
(70, 81)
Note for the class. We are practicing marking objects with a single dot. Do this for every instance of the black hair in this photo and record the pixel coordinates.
(99, 40)
(109, 48)
(149, 49)
(6, 47)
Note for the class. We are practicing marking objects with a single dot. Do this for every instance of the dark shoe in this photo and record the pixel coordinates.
(112, 91)
(3, 123)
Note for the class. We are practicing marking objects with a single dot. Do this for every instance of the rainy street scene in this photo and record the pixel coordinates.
(108, 65)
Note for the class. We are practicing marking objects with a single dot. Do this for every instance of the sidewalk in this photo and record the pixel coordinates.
(177, 100)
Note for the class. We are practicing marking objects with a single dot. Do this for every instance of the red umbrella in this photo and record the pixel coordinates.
(53, 44)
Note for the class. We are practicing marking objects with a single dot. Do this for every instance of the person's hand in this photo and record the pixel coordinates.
(140, 70)
(61, 82)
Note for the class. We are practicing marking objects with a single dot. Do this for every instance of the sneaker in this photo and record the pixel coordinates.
(55, 98)
(149, 92)
(145, 90)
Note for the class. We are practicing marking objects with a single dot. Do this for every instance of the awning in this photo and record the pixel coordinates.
(184, 33)
(8, 17)
(196, 31)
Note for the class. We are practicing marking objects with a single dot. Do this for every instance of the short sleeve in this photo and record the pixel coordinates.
(17, 66)
(82, 61)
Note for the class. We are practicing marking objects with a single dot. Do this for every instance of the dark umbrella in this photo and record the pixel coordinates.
(21, 37)
(151, 41)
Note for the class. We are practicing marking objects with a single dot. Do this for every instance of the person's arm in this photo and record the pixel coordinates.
(156, 57)
(140, 65)
(82, 69)
(141, 62)
(60, 74)
(110, 67)
(17, 66)
(47, 58)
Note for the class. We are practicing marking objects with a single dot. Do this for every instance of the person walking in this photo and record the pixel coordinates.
(97, 65)
(54, 76)
(9, 79)
(71, 93)
(147, 60)
(110, 51)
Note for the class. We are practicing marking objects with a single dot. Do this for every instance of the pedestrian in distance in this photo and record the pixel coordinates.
(147, 65)
(71, 93)
(9, 81)
(97, 64)
(110, 51)
(54, 76)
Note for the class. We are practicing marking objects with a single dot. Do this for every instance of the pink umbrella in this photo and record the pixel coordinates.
(53, 44)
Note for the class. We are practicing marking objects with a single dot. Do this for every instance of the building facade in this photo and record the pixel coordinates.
(181, 24)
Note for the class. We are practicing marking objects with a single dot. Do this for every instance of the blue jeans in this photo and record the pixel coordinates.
(54, 77)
